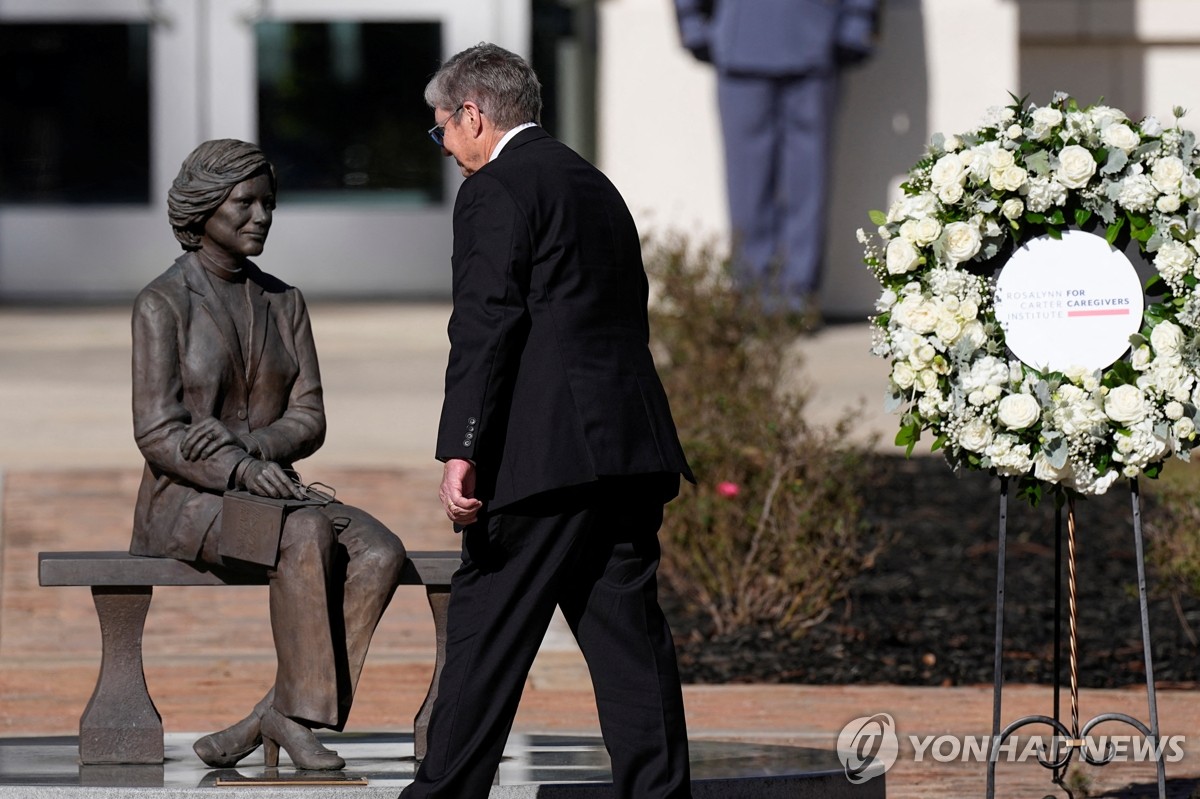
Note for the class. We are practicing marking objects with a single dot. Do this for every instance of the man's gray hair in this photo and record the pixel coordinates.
(501, 83)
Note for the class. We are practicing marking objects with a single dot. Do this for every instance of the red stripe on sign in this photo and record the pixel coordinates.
(1107, 312)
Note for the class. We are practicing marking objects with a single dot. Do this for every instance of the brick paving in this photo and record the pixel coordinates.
(208, 650)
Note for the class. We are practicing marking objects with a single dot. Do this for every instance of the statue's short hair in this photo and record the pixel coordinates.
(205, 179)
(501, 83)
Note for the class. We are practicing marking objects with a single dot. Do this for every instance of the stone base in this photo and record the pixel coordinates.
(541, 766)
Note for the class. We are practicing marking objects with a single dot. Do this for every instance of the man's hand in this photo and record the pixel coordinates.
(204, 438)
(457, 492)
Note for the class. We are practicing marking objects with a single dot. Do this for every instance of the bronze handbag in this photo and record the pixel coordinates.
(251, 525)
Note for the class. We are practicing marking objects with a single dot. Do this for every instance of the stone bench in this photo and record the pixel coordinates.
(121, 723)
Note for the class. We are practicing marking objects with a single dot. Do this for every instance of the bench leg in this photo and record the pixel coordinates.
(439, 603)
(120, 723)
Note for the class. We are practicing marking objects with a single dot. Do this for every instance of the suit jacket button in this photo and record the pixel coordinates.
(467, 443)
(470, 420)
(241, 414)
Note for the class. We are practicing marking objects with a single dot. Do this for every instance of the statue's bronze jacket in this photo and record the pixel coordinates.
(189, 364)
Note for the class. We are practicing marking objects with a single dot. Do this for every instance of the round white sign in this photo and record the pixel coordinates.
(1070, 302)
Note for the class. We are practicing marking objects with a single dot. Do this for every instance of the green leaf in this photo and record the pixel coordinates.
(1082, 215)
(939, 443)
(1036, 219)
(1053, 232)
(878, 218)
(1114, 230)
(1057, 217)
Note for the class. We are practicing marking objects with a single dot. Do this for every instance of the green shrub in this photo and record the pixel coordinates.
(773, 530)
(1172, 524)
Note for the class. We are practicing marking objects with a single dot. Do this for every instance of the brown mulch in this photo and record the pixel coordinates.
(925, 614)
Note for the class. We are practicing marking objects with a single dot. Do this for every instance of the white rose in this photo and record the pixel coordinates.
(1168, 203)
(961, 242)
(919, 206)
(975, 435)
(921, 232)
(1167, 174)
(978, 160)
(953, 143)
(1012, 208)
(1125, 404)
(1047, 473)
(1151, 127)
(927, 380)
(1190, 186)
(1075, 166)
(951, 193)
(902, 257)
(973, 333)
(1018, 411)
(903, 375)
(1102, 116)
(947, 170)
(1009, 178)
(948, 329)
(1141, 358)
(1120, 136)
(1047, 116)
(886, 300)
(1137, 193)
(1184, 429)
(968, 309)
(1173, 260)
(1174, 410)
(1166, 338)
(922, 318)
(1014, 132)
(1001, 159)
(992, 392)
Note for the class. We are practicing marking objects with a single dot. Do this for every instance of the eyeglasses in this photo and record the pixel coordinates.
(438, 132)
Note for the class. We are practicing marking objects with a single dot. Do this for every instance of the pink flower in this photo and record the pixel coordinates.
(728, 489)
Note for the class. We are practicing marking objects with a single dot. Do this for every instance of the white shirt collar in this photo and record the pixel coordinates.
(508, 137)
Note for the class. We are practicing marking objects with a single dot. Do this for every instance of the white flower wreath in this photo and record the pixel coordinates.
(1030, 171)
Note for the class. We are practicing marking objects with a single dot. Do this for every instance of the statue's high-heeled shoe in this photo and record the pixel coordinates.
(225, 748)
(298, 741)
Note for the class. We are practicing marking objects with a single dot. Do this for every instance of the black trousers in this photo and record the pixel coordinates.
(592, 551)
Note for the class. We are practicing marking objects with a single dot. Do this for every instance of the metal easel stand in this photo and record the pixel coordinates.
(1074, 737)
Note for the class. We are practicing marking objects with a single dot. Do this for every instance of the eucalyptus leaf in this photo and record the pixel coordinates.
(1056, 452)
(1155, 241)
(1038, 163)
(893, 401)
(1117, 160)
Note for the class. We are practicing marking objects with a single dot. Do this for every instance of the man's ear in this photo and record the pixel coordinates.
(472, 117)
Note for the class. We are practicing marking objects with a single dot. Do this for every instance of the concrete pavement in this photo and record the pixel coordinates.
(69, 471)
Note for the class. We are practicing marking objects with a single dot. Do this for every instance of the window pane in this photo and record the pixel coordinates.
(341, 110)
(74, 113)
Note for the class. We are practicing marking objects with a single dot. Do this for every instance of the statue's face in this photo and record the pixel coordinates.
(240, 225)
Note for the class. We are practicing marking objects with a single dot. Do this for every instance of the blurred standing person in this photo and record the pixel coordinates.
(558, 443)
(777, 65)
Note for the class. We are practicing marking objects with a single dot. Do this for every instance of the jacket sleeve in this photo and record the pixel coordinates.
(695, 26)
(491, 263)
(159, 416)
(858, 28)
(300, 431)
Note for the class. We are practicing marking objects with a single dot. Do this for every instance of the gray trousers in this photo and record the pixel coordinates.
(777, 132)
(338, 568)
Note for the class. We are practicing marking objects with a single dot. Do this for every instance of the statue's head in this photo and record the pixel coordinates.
(204, 182)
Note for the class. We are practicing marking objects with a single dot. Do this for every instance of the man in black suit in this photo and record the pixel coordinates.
(558, 443)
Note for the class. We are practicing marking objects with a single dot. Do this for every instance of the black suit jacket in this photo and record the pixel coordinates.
(550, 381)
